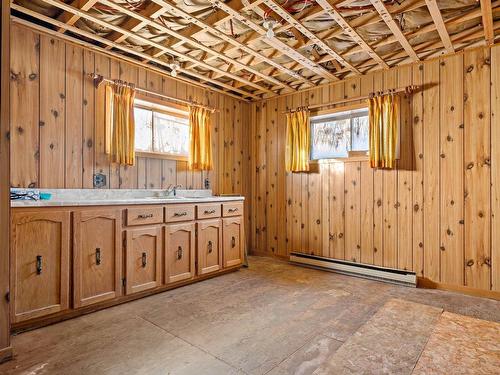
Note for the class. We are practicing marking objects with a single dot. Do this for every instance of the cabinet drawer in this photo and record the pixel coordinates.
(232, 209)
(207, 211)
(179, 212)
(144, 215)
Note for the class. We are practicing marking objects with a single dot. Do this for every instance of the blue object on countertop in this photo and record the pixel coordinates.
(45, 196)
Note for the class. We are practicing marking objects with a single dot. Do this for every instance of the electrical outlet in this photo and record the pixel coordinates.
(99, 180)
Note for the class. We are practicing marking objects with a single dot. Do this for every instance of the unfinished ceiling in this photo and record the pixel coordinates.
(260, 48)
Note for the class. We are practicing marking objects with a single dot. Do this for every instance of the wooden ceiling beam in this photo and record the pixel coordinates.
(171, 8)
(198, 45)
(70, 18)
(440, 26)
(364, 20)
(104, 41)
(487, 14)
(278, 9)
(152, 11)
(389, 21)
(277, 43)
(83, 14)
(349, 30)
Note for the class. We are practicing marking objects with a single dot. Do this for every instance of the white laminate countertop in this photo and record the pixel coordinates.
(108, 197)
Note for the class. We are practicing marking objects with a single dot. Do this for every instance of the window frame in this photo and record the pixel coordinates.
(352, 155)
(167, 108)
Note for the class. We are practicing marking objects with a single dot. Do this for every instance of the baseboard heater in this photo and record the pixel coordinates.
(356, 269)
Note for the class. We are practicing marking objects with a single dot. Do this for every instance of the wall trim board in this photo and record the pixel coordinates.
(425, 283)
(5, 348)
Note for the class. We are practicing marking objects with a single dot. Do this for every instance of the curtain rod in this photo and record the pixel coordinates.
(407, 90)
(98, 79)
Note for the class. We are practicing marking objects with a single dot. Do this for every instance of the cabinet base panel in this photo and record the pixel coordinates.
(70, 314)
(6, 354)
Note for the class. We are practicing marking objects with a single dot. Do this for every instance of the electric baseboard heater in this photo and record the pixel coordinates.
(356, 269)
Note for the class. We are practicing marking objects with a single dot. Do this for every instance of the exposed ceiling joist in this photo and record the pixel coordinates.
(440, 26)
(152, 11)
(304, 30)
(203, 25)
(387, 17)
(349, 30)
(70, 18)
(196, 44)
(277, 44)
(96, 38)
(487, 15)
(128, 33)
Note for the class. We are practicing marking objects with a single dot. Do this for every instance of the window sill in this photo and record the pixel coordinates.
(343, 160)
(160, 155)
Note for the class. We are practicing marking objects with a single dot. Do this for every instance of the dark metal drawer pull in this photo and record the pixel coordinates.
(38, 264)
(179, 253)
(144, 260)
(209, 247)
(207, 212)
(144, 216)
(232, 210)
(233, 241)
(98, 256)
(180, 214)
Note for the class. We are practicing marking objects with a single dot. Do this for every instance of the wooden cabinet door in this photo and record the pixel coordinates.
(209, 246)
(143, 259)
(179, 252)
(97, 256)
(40, 264)
(232, 233)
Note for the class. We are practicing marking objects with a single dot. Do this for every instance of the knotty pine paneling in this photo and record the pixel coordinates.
(434, 214)
(57, 122)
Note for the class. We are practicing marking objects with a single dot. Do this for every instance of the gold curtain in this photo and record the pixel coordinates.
(120, 124)
(298, 141)
(384, 130)
(200, 139)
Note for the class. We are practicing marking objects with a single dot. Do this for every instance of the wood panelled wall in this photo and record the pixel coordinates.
(57, 122)
(437, 214)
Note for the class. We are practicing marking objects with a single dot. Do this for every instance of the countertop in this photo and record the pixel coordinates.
(90, 197)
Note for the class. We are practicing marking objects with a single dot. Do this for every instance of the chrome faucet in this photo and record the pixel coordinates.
(172, 189)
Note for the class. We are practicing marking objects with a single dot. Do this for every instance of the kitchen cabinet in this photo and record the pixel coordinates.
(179, 252)
(143, 259)
(39, 264)
(232, 233)
(97, 256)
(209, 246)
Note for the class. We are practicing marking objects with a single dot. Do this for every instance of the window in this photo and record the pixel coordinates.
(339, 135)
(161, 130)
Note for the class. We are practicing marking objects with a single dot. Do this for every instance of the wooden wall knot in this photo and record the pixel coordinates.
(379, 202)
(487, 261)
(331, 236)
(341, 235)
(442, 248)
(487, 162)
(318, 221)
(14, 76)
(470, 165)
(449, 232)
(470, 68)
(470, 263)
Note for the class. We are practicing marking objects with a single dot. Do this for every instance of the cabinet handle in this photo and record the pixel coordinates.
(38, 264)
(144, 260)
(144, 216)
(208, 212)
(98, 256)
(177, 214)
(179, 253)
(231, 210)
(209, 247)
(233, 241)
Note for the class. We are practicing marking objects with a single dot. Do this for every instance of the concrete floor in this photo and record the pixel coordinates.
(271, 318)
